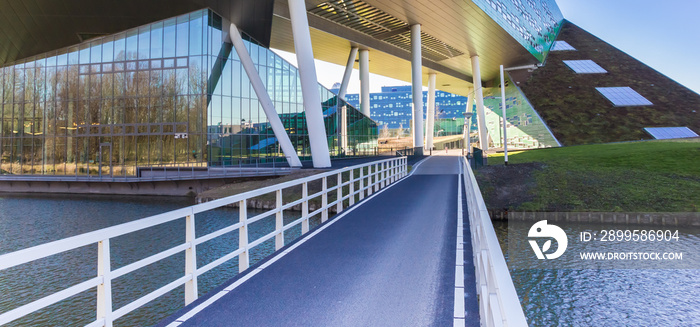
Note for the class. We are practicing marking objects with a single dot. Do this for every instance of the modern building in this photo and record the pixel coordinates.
(108, 88)
(105, 88)
(171, 93)
(392, 109)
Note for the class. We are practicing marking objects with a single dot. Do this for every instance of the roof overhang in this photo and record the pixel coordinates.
(460, 27)
(33, 27)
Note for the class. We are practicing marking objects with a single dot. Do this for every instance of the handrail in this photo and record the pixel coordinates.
(379, 175)
(498, 301)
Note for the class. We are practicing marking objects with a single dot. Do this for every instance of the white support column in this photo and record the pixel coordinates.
(429, 130)
(344, 128)
(264, 98)
(479, 95)
(348, 71)
(364, 82)
(309, 84)
(417, 86)
(469, 109)
(505, 121)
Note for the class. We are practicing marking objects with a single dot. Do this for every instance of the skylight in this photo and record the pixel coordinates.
(562, 46)
(585, 67)
(623, 96)
(664, 133)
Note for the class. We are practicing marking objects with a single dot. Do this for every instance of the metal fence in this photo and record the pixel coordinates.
(498, 301)
(360, 181)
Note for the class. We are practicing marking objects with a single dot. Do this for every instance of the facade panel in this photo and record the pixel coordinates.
(535, 24)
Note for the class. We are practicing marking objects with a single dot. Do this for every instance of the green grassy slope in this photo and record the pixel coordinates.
(578, 114)
(654, 176)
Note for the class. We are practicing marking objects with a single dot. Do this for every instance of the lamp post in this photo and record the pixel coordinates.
(467, 138)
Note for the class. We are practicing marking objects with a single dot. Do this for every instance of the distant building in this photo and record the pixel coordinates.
(393, 107)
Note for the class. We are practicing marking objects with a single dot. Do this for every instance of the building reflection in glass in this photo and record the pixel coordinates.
(167, 94)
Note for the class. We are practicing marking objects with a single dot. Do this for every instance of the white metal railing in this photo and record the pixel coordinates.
(498, 301)
(372, 177)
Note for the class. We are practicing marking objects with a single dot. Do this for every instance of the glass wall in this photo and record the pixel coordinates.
(168, 94)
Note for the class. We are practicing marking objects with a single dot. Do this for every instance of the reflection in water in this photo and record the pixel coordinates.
(27, 221)
(606, 297)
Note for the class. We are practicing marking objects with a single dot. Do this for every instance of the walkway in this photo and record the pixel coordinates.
(389, 262)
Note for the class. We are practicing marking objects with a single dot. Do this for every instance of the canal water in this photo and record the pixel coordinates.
(608, 297)
(30, 220)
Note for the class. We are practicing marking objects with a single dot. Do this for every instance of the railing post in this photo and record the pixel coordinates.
(385, 173)
(279, 222)
(405, 166)
(352, 187)
(339, 205)
(190, 260)
(370, 186)
(324, 199)
(104, 290)
(362, 183)
(376, 178)
(243, 258)
(392, 167)
(305, 208)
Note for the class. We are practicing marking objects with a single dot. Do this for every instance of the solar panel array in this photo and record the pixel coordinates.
(623, 96)
(562, 46)
(665, 133)
(585, 67)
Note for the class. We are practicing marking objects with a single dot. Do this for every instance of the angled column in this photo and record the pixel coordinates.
(348, 71)
(264, 98)
(430, 129)
(309, 84)
(364, 82)
(417, 88)
(479, 96)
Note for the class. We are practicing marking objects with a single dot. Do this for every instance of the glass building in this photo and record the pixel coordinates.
(392, 109)
(166, 94)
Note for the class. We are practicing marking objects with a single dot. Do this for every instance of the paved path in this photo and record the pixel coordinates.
(390, 262)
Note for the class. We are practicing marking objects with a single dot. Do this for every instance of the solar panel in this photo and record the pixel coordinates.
(562, 46)
(665, 133)
(585, 67)
(623, 96)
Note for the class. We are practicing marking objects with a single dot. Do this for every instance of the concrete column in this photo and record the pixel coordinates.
(417, 86)
(309, 84)
(430, 129)
(264, 98)
(505, 121)
(348, 71)
(364, 82)
(469, 109)
(479, 95)
(344, 128)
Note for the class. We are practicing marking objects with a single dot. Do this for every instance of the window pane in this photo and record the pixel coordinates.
(169, 38)
(196, 26)
(131, 44)
(144, 42)
(182, 35)
(157, 40)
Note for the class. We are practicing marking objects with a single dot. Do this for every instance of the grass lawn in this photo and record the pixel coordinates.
(650, 176)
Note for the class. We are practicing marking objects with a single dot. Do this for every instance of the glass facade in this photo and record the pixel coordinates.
(535, 24)
(392, 109)
(167, 94)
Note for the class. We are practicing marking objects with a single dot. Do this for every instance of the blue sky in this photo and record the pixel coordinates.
(664, 34)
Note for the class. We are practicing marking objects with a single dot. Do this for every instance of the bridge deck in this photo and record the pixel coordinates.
(389, 262)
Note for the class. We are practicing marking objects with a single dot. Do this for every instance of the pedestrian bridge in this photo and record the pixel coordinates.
(406, 248)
